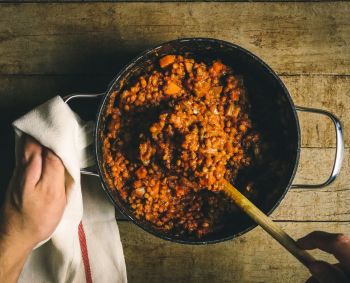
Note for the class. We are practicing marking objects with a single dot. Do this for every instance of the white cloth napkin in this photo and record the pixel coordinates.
(59, 259)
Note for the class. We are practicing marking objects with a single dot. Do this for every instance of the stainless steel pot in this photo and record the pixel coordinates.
(272, 110)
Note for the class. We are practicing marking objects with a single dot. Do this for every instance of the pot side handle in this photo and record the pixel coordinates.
(339, 154)
(72, 96)
(89, 170)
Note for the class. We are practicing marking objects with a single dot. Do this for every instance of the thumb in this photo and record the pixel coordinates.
(327, 273)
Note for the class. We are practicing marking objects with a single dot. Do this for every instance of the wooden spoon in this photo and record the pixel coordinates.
(267, 224)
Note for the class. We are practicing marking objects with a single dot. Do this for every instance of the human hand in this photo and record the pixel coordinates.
(336, 244)
(36, 194)
(34, 205)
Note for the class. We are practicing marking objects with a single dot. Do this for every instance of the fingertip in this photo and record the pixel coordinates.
(315, 239)
(52, 168)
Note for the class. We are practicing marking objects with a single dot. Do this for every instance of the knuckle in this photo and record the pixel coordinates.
(341, 240)
(317, 267)
(50, 195)
(36, 158)
(34, 164)
(31, 146)
(29, 158)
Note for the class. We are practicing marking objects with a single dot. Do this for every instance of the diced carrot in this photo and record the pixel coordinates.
(141, 173)
(166, 60)
(179, 191)
(171, 88)
(188, 66)
(143, 82)
(137, 184)
(243, 128)
(217, 90)
(218, 66)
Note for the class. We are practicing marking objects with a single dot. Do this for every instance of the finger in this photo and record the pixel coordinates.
(29, 162)
(30, 147)
(29, 171)
(327, 273)
(27, 175)
(341, 267)
(52, 169)
(336, 244)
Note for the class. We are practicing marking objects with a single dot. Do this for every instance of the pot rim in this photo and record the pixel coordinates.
(99, 158)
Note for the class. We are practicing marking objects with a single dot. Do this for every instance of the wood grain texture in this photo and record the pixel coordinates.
(48, 49)
(330, 93)
(85, 38)
(253, 257)
(328, 204)
(159, 1)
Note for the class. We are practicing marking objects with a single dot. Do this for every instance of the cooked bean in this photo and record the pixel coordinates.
(173, 137)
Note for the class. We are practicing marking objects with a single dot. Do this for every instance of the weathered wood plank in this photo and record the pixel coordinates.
(253, 257)
(157, 1)
(92, 37)
(315, 166)
(80, 47)
(328, 204)
(330, 93)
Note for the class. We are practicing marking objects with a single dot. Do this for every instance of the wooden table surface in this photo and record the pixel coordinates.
(49, 49)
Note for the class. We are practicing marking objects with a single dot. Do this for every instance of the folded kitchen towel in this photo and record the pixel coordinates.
(86, 246)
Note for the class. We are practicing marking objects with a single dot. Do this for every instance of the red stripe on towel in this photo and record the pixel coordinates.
(84, 253)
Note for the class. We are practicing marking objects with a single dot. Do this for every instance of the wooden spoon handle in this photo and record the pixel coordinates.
(267, 224)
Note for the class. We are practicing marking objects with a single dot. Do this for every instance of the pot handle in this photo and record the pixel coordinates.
(339, 154)
(89, 170)
(72, 96)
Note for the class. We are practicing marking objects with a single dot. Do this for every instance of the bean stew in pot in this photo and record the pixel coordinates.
(173, 136)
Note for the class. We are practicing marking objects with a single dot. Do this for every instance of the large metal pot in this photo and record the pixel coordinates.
(272, 110)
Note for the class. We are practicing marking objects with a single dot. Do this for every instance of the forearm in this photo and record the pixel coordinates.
(12, 259)
(14, 249)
